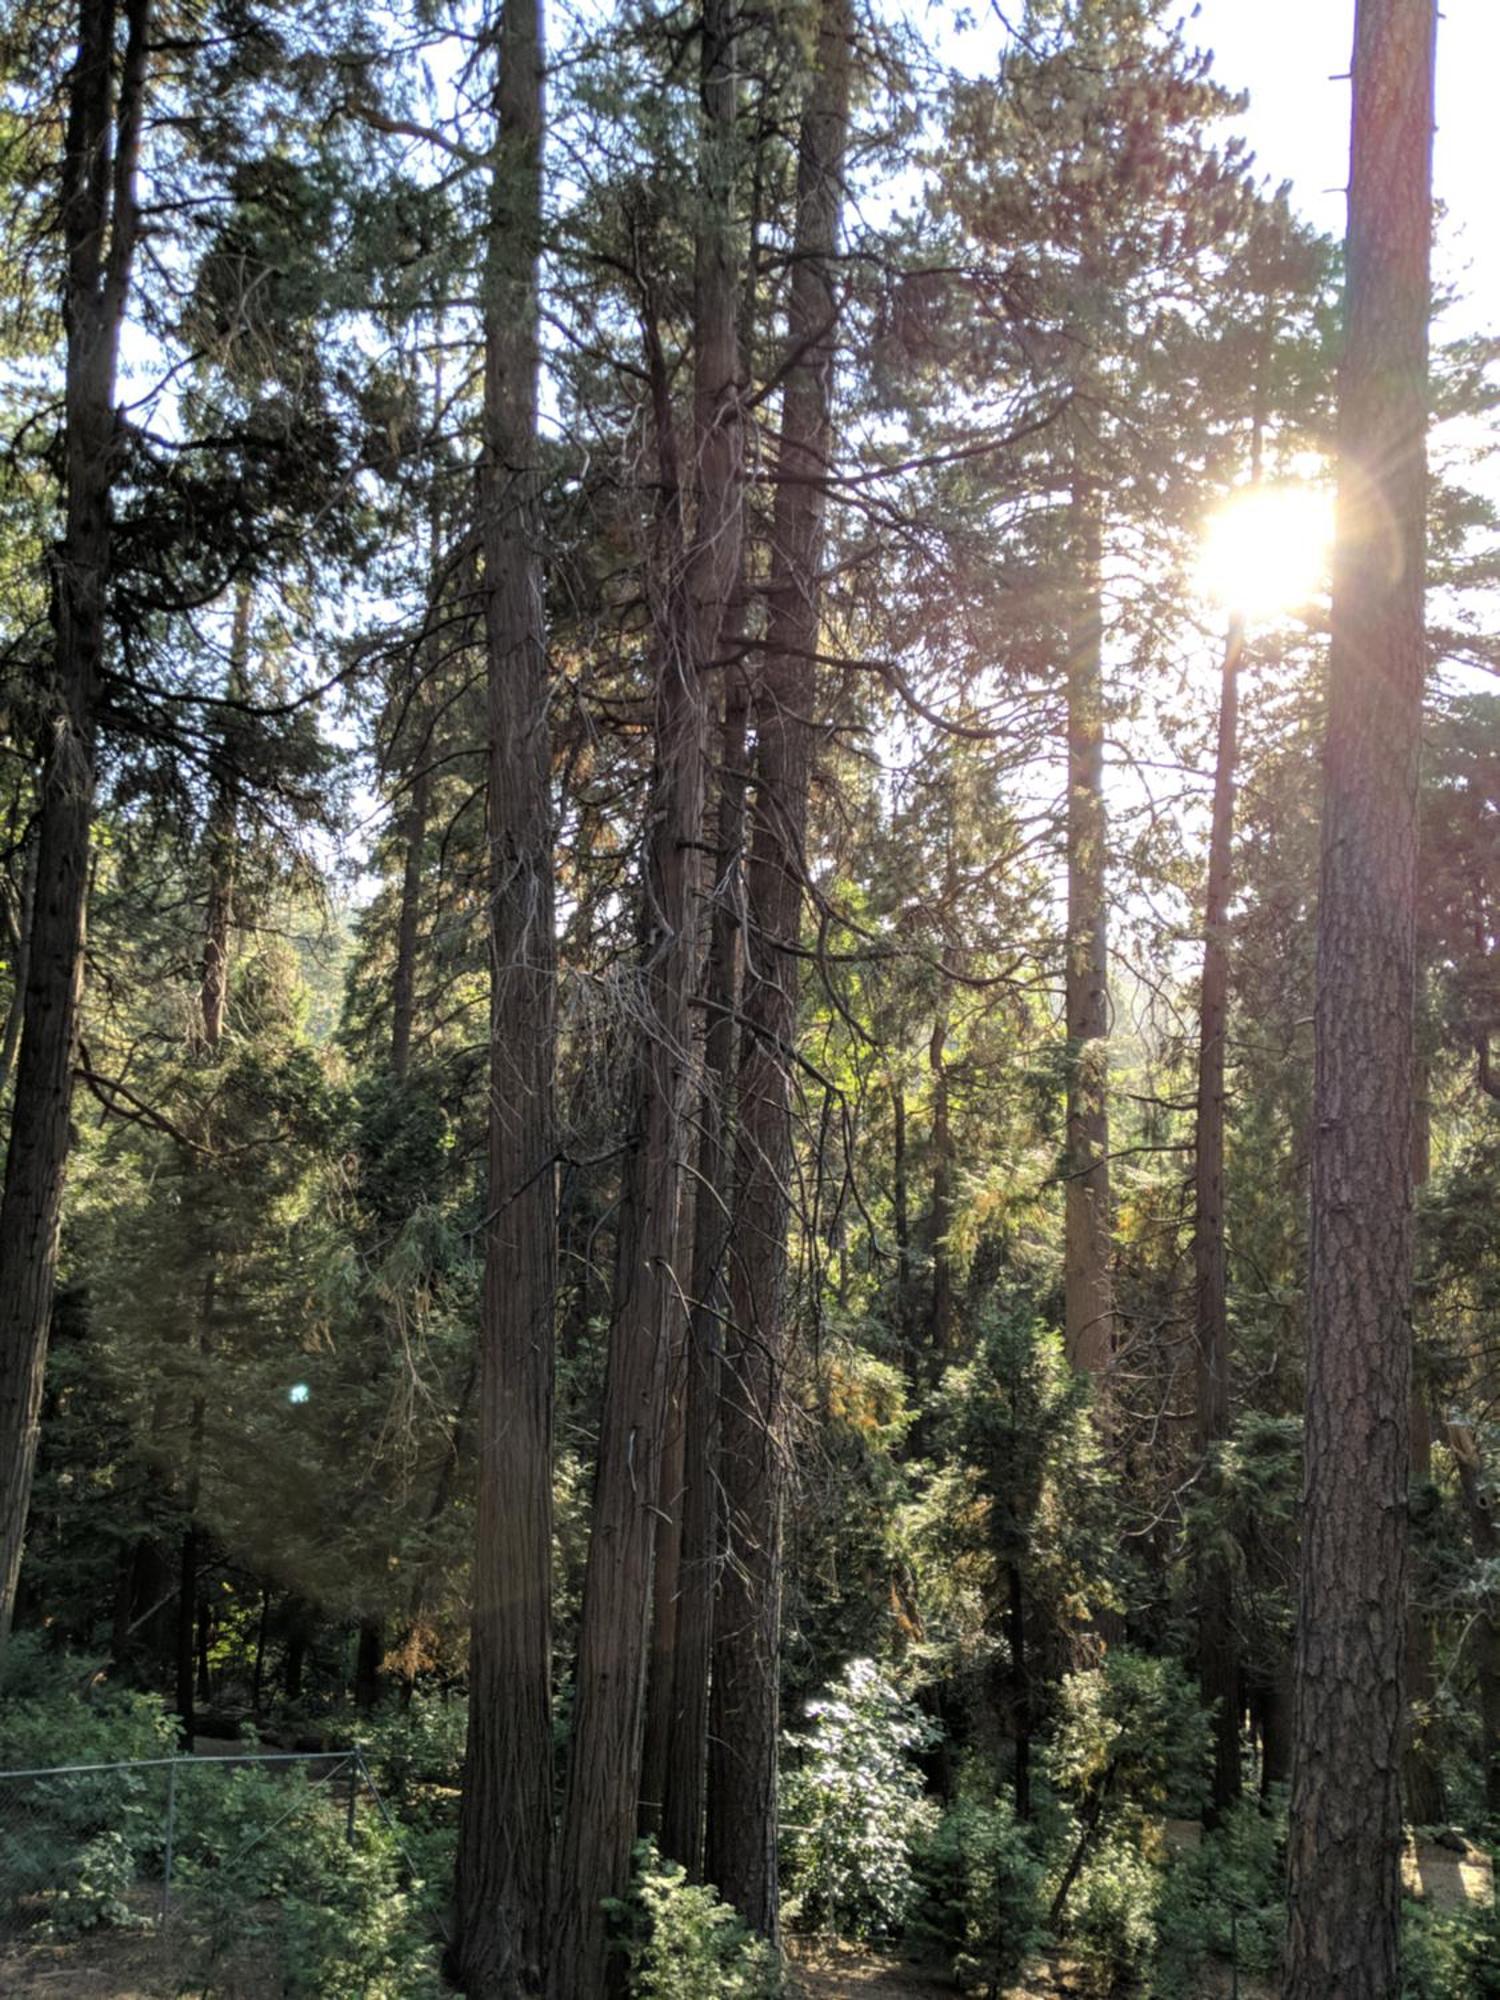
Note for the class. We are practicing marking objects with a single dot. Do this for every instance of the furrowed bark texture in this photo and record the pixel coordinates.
(1218, 1659)
(1345, 1838)
(1088, 1292)
(505, 1828)
(99, 228)
(685, 1781)
(745, 1711)
(603, 1792)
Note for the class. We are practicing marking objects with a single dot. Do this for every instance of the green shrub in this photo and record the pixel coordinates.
(1112, 1911)
(682, 1943)
(416, 1745)
(1224, 1900)
(981, 1903)
(1445, 1953)
(852, 1807)
(265, 1863)
(74, 1842)
(97, 1880)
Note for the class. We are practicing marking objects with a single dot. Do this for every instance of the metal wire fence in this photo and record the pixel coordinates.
(216, 1871)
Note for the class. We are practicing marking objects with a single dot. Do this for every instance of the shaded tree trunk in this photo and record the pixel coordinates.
(505, 1822)
(99, 228)
(1218, 1654)
(1089, 1299)
(1486, 1636)
(602, 1798)
(1345, 1839)
(741, 1853)
(942, 1323)
(685, 1779)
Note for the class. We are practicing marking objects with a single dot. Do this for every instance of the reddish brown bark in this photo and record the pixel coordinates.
(744, 1728)
(99, 229)
(695, 593)
(505, 1826)
(1345, 1830)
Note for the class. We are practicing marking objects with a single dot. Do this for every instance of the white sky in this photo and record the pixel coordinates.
(1291, 55)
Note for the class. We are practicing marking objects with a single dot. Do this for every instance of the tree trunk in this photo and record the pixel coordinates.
(505, 1822)
(1421, 1777)
(1089, 1300)
(686, 1775)
(1345, 1839)
(901, 1226)
(418, 807)
(745, 1728)
(20, 962)
(187, 1612)
(221, 844)
(369, 1652)
(98, 220)
(1486, 1640)
(941, 1328)
(603, 1788)
(1218, 1656)
(1020, 1685)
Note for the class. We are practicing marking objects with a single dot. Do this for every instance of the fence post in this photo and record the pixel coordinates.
(166, 1866)
(353, 1796)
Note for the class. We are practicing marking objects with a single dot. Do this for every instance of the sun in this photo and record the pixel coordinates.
(1266, 550)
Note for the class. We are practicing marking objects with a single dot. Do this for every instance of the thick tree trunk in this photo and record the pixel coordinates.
(745, 1717)
(1345, 1837)
(1088, 1289)
(685, 1778)
(1218, 1654)
(603, 1789)
(98, 212)
(505, 1823)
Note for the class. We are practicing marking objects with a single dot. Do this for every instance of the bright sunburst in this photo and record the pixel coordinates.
(1266, 550)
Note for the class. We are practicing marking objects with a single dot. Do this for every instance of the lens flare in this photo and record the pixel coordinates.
(1266, 550)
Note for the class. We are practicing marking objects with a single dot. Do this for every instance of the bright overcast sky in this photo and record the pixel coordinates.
(1288, 53)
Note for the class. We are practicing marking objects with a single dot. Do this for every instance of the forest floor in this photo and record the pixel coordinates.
(140, 1965)
(845, 1972)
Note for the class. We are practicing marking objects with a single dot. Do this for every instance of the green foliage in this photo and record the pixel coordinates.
(265, 1862)
(1112, 1911)
(418, 1743)
(1224, 1900)
(981, 1893)
(96, 1884)
(1134, 1735)
(682, 1943)
(54, 1709)
(852, 1807)
(1449, 1952)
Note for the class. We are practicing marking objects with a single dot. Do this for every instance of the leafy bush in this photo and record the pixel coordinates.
(1448, 1952)
(265, 1861)
(682, 1943)
(1112, 1911)
(1224, 1900)
(75, 1842)
(980, 1893)
(852, 1807)
(97, 1881)
(418, 1744)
